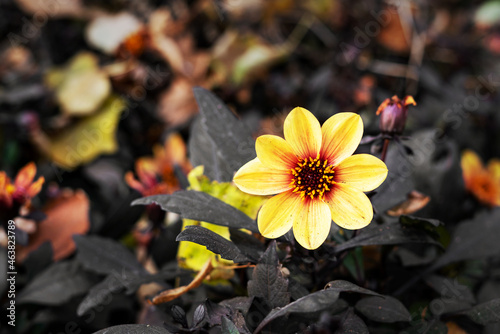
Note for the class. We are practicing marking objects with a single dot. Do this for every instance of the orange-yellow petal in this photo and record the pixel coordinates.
(257, 179)
(341, 136)
(303, 132)
(146, 169)
(278, 214)
(4, 180)
(312, 226)
(25, 176)
(35, 187)
(494, 170)
(175, 149)
(471, 167)
(362, 171)
(274, 152)
(133, 183)
(350, 208)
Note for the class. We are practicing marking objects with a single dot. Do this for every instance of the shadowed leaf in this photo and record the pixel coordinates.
(387, 234)
(56, 285)
(314, 302)
(232, 143)
(485, 313)
(267, 280)
(247, 244)
(473, 239)
(214, 242)
(133, 329)
(386, 309)
(351, 323)
(200, 206)
(105, 256)
(345, 286)
(228, 326)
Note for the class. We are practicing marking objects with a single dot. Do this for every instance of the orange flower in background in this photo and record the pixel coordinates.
(316, 178)
(157, 174)
(22, 190)
(483, 183)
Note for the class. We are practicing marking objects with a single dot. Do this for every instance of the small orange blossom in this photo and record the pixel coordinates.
(483, 183)
(315, 177)
(157, 174)
(22, 190)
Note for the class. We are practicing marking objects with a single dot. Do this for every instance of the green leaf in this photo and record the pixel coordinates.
(386, 309)
(267, 280)
(488, 13)
(200, 206)
(228, 327)
(386, 234)
(485, 313)
(426, 327)
(56, 285)
(434, 227)
(227, 139)
(354, 263)
(214, 242)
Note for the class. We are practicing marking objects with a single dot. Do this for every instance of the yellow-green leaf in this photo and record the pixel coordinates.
(90, 137)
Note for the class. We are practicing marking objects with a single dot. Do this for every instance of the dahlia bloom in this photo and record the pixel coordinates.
(314, 176)
(22, 190)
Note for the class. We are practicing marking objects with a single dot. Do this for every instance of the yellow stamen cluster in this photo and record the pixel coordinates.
(312, 178)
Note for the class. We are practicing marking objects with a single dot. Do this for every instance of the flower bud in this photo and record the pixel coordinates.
(393, 113)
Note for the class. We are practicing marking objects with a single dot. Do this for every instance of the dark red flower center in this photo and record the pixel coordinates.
(312, 178)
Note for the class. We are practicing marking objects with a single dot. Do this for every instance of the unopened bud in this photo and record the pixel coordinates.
(393, 113)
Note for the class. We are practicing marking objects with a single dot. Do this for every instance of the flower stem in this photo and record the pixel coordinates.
(384, 149)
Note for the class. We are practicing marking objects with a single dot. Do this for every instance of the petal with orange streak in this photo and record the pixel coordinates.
(35, 187)
(274, 152)
(312, 226)
(341, 136)
(133, 183)
(303, 133)
(278, 214)
(362, 171)
(175, 149)
(471, 167)
(146, 169)
(350, 208)
(25, 176)
(256, 179)
(494, 170)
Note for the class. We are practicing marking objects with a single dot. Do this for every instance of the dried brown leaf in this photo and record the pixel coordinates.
(172, 294)
(67, 215)
(415, 201)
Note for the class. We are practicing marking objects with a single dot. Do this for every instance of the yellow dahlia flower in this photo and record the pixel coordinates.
(314, 176)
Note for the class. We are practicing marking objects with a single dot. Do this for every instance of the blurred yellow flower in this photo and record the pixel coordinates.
(193, 256)
(483, 183)
(315, 177)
